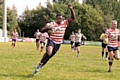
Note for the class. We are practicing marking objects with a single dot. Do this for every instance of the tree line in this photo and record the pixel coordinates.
(92, 17)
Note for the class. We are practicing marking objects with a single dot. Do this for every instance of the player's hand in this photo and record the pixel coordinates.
(70, 6)
(47, 27)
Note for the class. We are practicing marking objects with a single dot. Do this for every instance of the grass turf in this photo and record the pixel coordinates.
(18, 64)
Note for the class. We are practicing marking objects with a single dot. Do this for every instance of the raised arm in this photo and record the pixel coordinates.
(73, 16)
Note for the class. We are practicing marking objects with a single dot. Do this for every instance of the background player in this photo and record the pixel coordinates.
(43, 40)
(14, 36)
(78, 37)
(104, 45)
(112, 34)
(36, 35)
(72, 39)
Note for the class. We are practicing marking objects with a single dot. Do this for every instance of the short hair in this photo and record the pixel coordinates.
(58, 15)
(114, 21)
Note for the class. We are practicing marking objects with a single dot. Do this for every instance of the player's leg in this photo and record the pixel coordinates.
(49, 50)
(106, 55)
(103, 48)
(14, 42)
(72, 46)
(117, 57)
(111, 60)
(38, 44)
(46, 56)
(42, 46)
(54, 51)
(111, 55)
(44, 59)
(78, 49)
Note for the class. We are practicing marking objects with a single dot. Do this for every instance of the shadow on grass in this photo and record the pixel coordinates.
(16, 75)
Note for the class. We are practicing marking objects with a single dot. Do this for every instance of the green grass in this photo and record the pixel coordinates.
(18, 64)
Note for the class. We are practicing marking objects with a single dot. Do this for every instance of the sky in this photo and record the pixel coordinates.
(21, 4)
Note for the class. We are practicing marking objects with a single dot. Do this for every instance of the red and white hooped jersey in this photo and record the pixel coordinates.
(58, 31)
(112, 37)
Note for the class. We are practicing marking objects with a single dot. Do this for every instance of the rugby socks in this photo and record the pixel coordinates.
(78, 53)
(106, 54)
(110, 63)
(37, 68)
(72, 48)
(110, 66)
(14, 44)
(102, 54)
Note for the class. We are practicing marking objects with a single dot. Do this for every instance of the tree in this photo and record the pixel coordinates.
(88, 19)
(109, 8)
(31, 20)
(1, 13)
(12, 19)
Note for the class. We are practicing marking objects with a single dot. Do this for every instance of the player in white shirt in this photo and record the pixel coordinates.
(14, 36)
(72, 39)
(36, 35)
(43, 40)
(78, 37)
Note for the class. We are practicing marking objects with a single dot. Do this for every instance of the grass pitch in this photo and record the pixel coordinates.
(18, 64)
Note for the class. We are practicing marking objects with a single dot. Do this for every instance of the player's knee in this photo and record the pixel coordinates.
(49, 53)
(111, 59)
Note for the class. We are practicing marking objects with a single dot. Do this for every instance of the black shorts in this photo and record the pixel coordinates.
(72, 42)
(77, 44)
(54, 45)
(13, 40)
(41, 42)
(112, 48)
(104, 45)
(37, 40)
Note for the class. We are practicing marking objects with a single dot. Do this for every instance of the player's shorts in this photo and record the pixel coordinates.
(55, 46)
(77, 44)
(112, 48)
(104, 45)
(37, 40)
(72, 42)
(13, 40)
(42, 43)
